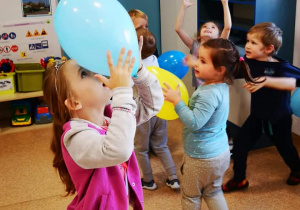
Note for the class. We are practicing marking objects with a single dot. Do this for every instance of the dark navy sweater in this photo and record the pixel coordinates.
(267, 103)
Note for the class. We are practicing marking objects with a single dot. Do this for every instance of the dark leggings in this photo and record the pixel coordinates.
(279, 133)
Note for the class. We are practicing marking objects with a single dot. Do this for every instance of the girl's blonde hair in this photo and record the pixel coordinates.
(56, 90)
(135, 13)
(269, 34)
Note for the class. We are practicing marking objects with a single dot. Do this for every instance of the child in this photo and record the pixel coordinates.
(153, 133)
(270, 104)
(209, 30)
(93, 138)
(206, 151)
(140, 20)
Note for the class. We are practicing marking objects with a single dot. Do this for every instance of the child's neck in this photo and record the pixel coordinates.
(207, 82)
(268, 59)
(204, 39)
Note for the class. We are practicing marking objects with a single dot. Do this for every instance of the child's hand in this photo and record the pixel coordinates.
(120, 75)
(187, 3)
(190, 60)
(173, 96)
(253, 87)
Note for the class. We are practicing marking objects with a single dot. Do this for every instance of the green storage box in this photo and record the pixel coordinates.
(29, 77)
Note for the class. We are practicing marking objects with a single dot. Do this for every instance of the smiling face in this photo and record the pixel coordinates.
(255, 49)
(209, 30)
(89, 94)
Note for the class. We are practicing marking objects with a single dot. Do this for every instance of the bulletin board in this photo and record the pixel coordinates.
(27, 31)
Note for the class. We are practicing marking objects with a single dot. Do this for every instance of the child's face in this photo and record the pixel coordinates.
(255, 49)
(209, 30)
(204, 67)
(139, 22)
(86, 88)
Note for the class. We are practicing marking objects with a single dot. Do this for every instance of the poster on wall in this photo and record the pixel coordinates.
(36, 7)
(27, 41)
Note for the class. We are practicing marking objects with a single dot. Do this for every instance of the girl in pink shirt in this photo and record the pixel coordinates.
(93, 135)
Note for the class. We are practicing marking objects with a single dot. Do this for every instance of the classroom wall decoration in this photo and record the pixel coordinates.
(27, 39)
(36, 7)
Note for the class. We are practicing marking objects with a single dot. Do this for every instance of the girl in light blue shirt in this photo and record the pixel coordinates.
(206, 150)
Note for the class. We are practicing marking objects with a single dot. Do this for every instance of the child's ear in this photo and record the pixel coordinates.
(269, 49)
(72, 104)
(222, 70)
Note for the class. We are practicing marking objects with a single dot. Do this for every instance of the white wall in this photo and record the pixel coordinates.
(169, 10)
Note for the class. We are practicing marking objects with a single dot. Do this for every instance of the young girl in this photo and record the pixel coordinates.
(93, 138)
(209, 30)
(206, 151)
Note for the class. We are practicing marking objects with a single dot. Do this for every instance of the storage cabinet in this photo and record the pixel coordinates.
(246, 13)
(5, 110)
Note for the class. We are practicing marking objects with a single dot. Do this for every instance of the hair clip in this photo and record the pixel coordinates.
(241, 59)
(58, 64)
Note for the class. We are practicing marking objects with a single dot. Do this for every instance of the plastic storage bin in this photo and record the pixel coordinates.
(29, 77)
(7, 83)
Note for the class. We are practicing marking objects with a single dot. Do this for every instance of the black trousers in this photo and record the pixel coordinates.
(279, 133)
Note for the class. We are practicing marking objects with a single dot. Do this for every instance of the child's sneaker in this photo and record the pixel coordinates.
(231, 185)
(149, 185)
(174, 184)
(293, 179)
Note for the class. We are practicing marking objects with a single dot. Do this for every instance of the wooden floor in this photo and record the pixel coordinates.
(28, 180)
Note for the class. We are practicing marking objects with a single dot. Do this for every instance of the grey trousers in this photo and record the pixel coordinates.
(153, 134)
(202, 178)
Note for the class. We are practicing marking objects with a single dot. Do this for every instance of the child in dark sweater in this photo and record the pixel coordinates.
(270, 104)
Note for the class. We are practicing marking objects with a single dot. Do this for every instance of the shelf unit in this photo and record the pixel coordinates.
(18, 96)
(246, 13)
(5, 126)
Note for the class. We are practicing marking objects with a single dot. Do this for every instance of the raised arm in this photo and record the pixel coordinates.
(227, 20)
(187, 40)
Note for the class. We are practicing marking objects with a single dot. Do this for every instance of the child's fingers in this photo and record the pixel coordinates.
(127, 60)
(178, 86)
(109, 60)
(120, 59)
(168, 86)
(131, 64)
(102, 79)
(141, 41)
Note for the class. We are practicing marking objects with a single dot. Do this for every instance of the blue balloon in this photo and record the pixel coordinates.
(295, 102)
(173, 62)
(86, 29)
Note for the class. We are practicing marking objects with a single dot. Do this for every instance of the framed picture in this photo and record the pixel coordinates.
(32, 8)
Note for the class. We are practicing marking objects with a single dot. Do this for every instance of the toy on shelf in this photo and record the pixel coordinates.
(42, 114)
(7, 77)
(7, 66)
(50, 59)
(21, 111)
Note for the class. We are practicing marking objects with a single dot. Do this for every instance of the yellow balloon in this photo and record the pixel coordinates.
(167, 111)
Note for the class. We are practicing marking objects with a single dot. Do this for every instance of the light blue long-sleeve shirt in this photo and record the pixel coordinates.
(204, 133)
